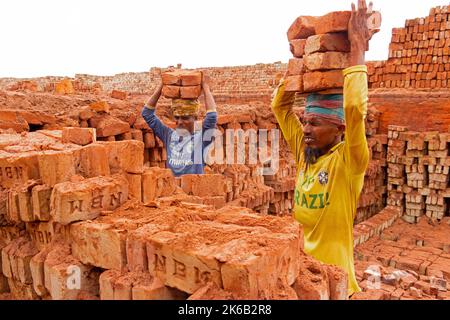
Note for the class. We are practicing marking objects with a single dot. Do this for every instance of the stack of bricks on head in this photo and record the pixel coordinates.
(321, 49)
(182, 84)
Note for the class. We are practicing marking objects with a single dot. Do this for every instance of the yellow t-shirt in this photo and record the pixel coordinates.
(326, 194)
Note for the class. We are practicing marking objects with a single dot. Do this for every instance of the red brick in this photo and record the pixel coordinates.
(57, 166)
(296, 67)
(23, 256)
(190, 92)
(99, 244)
(135, 186)
(41, 202)
(294, 83)
(312, 281)
(157, 182)
(191, 78)
(297, 47)
(327, 42)
(59, 265)
(18, 168)
(121, 95)
(171, 92)
(333, 22)
(107, 125)
(326, 61)
(94, 161)
(171, 78)
(203, 185)
(316, 81)
(125, 156)
(302, 28)
(87, 199)
(81, 136)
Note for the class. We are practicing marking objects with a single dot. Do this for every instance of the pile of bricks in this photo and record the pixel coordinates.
(418, 173)
(418, 54)
(95, 212)
(405, 262)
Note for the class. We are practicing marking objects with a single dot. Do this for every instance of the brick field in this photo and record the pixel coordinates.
(88, 209)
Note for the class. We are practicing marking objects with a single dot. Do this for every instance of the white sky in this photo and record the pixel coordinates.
(105, 37)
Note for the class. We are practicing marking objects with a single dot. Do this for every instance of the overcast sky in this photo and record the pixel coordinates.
(105, 37)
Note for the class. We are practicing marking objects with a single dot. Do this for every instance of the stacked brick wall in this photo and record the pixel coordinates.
(239, 84)
(418, 54)
(418, 173)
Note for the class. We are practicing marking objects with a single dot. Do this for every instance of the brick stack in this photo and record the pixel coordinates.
(320, 48)
(396, 167)
(283, 184)
(321, 51)
(374, 193)
(418, 170)
(418, 54)
(182, 84)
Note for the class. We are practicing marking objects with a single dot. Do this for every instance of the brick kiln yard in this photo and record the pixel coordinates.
(94, 214)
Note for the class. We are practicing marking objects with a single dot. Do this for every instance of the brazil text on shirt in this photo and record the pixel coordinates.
(185, 152)
(312, 201)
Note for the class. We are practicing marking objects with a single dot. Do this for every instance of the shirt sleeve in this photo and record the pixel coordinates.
(160, 130)
(289, 123)
(210, 120)
(209, 123)
(355, 110)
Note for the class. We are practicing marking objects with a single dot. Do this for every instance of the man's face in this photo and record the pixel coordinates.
(320, 134)
(185, 122)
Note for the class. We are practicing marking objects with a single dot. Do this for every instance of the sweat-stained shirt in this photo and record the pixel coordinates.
(185, 153)
(327, 192)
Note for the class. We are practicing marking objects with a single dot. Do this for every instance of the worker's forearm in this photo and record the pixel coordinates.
(209, 99)
(151, 103)
(357, 55)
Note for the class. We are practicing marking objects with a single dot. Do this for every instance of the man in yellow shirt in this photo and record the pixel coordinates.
(331, 170)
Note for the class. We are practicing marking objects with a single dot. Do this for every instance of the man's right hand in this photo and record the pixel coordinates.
(358, 32)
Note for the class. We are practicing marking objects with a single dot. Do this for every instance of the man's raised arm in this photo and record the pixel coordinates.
(289, 123)
(356, 89)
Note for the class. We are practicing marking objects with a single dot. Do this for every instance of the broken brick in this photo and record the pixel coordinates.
(302, 28)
